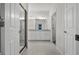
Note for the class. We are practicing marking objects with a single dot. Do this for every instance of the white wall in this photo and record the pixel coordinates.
(33, 15)
(77, 21)
(60, 42)
(77, 29)
(25, 5)
(45, 7)
(31, 24)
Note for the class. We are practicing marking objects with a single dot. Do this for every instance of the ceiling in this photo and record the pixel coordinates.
(41, 6)
(40, 9)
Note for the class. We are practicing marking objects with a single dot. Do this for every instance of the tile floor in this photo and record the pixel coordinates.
(40, 48)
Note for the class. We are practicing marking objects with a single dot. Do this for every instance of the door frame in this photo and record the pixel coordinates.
(55, 11)
(54, 27)
(25, 44)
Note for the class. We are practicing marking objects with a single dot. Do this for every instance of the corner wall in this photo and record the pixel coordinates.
(60, 42)
(77, 29)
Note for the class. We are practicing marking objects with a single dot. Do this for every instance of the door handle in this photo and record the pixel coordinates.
(65, 31)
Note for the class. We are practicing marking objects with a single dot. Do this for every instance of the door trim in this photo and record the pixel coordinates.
(25, 44)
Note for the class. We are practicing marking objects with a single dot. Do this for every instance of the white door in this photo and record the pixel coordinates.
(12, 27)
(69, 31)
(15, 25)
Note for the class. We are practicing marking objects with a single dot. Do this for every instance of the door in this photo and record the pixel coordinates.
(15, 28)
(12, 27)
(69, 29)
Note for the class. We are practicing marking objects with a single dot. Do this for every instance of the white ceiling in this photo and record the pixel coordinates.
(41, 6)
(40, 9)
